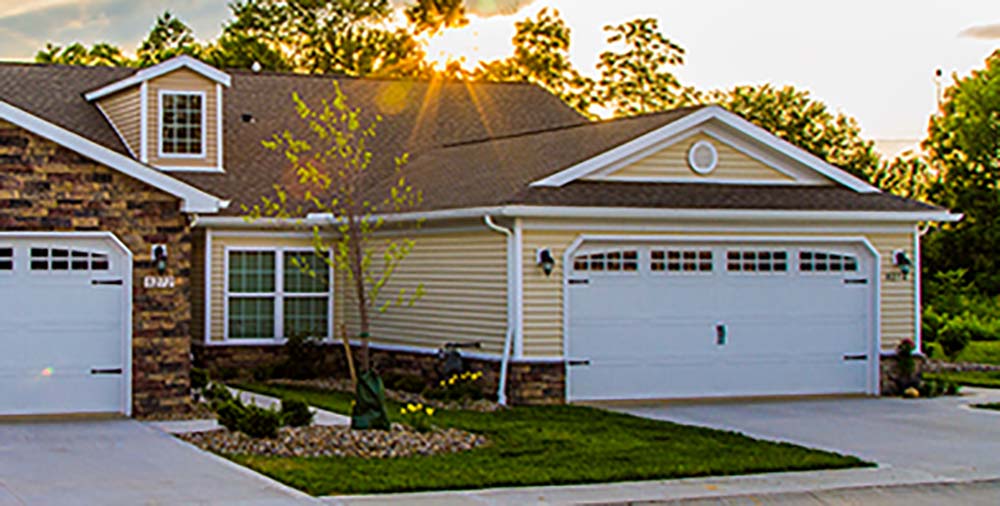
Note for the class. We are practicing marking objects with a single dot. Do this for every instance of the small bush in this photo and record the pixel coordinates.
(935, 388)
(304, 358)
(417, 416)
(953, 337)
(259, 422)
(230, 414)
(199, 378)
(904, 355)
(933, 350)
(217, 393)
(411, 383)
(296, 413)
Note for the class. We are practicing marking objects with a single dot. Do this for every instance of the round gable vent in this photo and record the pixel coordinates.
(702, 157)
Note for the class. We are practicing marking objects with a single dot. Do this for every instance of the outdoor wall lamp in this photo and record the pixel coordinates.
(545, 260)
(901, 260)
(160, 257)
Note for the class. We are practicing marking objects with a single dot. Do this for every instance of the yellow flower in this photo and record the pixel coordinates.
(429, 411)
(402, 411)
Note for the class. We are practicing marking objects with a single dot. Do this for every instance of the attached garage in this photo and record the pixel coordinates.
(65, 324)
(702, 318)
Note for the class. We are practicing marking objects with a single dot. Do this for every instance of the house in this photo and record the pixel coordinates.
(672, 255)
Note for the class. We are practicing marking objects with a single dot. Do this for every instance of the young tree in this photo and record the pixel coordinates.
(100, 54)
(431, 16)
(963, 145)
(340, 176)
(168, 38)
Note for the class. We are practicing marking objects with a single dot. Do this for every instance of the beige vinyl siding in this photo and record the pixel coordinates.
(543, 303)
(464, 274)
(123, 110)
(183, 80)
(672, 163)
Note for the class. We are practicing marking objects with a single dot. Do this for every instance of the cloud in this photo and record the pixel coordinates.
(983, 32)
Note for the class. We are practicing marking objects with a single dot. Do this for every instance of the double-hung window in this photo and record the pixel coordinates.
(182, 124)
(277, 293)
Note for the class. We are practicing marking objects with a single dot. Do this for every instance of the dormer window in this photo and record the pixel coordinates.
(182, 124)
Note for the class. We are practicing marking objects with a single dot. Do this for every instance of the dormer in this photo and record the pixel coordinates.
(169, 115)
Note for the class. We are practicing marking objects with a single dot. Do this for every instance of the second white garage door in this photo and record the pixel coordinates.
(719, 320)
(63, 327)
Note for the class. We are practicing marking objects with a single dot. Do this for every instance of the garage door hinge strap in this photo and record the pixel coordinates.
(106, 371)
(118, 282)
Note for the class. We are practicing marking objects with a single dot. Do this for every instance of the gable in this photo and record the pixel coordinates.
(737, 152)
(184, 81)
(673, 164)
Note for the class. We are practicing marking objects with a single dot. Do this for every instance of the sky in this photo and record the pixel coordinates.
(872, 59)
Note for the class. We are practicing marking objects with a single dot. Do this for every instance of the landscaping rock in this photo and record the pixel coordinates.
(326, 441)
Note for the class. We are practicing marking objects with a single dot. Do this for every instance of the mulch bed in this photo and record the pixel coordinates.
(327, 441)
(344, 385)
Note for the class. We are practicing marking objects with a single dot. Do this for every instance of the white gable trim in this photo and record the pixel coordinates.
(658, 136)
(183, 61)
(194, 200)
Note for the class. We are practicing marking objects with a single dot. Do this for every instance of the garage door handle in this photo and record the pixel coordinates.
(106, 371)
(856, 357)
(96, 282)
(856, 281)
(578, 362)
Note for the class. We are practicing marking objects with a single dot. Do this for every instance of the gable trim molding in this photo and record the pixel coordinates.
(184, 61)
(193, 199)
(654, 138)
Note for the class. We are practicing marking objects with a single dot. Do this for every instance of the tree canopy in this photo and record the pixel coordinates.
(963, 148)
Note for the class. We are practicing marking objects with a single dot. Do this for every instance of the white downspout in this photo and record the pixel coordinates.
(511, 304)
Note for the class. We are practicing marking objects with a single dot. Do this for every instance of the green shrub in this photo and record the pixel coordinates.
(981, 352)
(304, 358)
(953, 337)
(259, 422)
(230, 413)
(296, 413)
(218, 393)
(932, 387)
(199, 378)
(933, 350)
(411, 383)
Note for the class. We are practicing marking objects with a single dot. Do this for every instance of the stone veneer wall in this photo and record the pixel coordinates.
(528, 382)
(44, 187)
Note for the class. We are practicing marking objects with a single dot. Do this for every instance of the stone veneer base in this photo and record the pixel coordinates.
(528, 382)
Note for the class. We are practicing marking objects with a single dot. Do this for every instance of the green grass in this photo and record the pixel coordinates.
(540, 446)
(981, 352)
(984, 379)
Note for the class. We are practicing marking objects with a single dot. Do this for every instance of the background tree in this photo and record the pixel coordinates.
(797, 117)
(336, 176)
(431, 16)
(637, 78)
(541, 56)
(907, 175)
(963, 145)
(100, 54)
(168, 38)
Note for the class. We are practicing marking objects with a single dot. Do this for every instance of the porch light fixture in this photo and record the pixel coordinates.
(545, 260)
(901, 260)
(160, 257)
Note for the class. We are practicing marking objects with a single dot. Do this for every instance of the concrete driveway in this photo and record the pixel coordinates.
(122, 462)
(940, 439)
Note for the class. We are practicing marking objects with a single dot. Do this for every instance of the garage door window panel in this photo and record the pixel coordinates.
(674, 261)
(819, 262)
(607, 261)
(57, 259)
(6, 259)
(757, 261)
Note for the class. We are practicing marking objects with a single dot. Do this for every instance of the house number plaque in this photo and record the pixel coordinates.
(158, 282)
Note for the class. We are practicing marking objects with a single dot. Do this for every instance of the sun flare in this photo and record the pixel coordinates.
(483, 39)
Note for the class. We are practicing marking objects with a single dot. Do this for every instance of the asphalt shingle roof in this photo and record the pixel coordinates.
(470, 144)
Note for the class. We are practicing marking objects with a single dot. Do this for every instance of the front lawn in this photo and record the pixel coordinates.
(540, 446)
(985, 379)
(981, 352)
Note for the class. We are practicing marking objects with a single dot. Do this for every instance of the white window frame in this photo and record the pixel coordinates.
(204, 125)
(279, 294)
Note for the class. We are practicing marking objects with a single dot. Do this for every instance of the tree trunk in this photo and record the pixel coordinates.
(360, 292)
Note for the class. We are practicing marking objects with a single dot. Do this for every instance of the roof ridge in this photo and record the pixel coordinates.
(606, 121)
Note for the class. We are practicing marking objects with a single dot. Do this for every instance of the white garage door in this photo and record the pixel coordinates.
(62, 326)
(714, 320)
